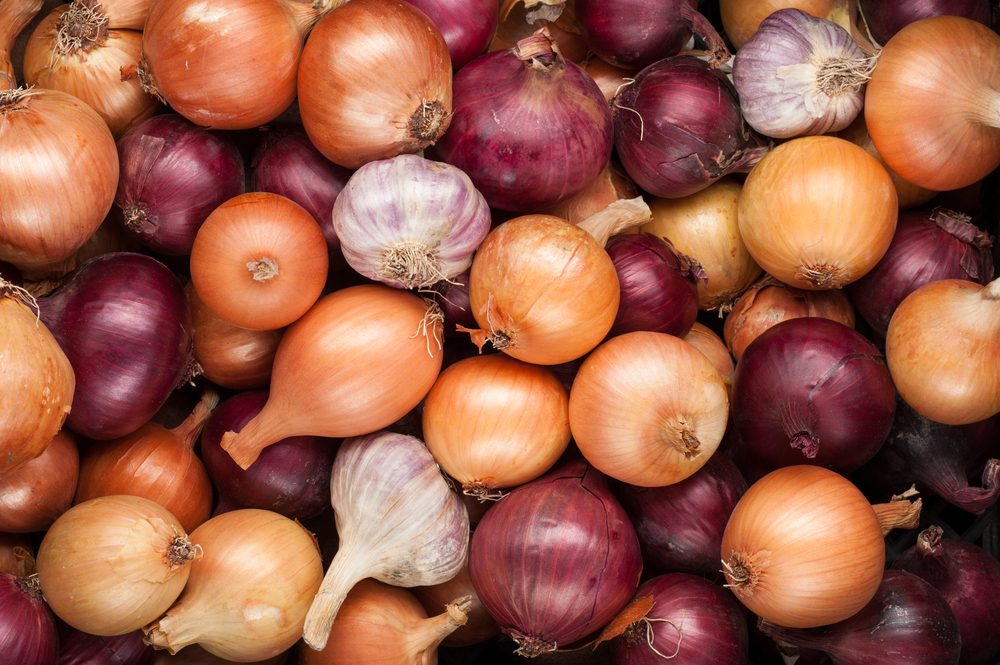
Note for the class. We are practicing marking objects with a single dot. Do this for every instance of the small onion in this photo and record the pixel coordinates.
(467, 27)
(740, 19)
(884, 18)
(15, 16)
(27, 630)
(79, 648)
(610, 186)
(32, 496)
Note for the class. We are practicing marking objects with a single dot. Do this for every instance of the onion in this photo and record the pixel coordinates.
(524, 290)
(79, 648)
(15, 16)
(397, 520)
(384, 625)
(811, 390)
(740, 19)
(555, 560)
(131, 351)
(38, 379)
(74, 50)
(155, 463)
(195, 655)
(126, 14)
(803, 548)
(32, 496)
(521, 18)
(453, 298)
(374, 40)
(884, 18)
(648, 409)
(110, 236)
(969, 581)
(337, 375)
(58, 150)
(926, 247)
(680, 526)
(933, 106)
(691, 619)
(530, 127)
(15, 557)
(410, 222)
(470, 431)
(608, 77)
(467, 27)
(678, 128)
(480, 625)
(907, 621)
(711, 345)
(291, 477)
(264, 249)
(818, 212)
(173, 174)
(287, 163)
(939, 341)
(704, 226)
(232, 67)
(769, 302)
(27, 630)
(111, 565)
(610, 186)
(247, 596)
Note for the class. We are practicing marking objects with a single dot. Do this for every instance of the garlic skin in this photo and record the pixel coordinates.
(800, 76)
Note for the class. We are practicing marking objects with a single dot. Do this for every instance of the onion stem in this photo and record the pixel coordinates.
(181, 551)
(899, 513)
(539, 51)
(263, 269)
(189, 430)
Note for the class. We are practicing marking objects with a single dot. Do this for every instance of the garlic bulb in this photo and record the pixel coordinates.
(800, 76)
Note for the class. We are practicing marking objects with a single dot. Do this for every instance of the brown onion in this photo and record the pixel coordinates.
(15, 555)
(909, 195)
(711, 345)
(480, 626)
(610, 186)
(34, 495)
(15, 15)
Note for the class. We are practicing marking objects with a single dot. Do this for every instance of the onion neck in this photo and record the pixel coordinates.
(539, 52)
(428, 634)
(899, 513)
(617, 217)
(305, 13)
(263, 430)
(82, 28)
(175, 630)
(187, 432)
(347, 569)
(147, 81)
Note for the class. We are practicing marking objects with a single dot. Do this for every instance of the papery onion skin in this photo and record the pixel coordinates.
(711, 345)
(518, 20)
(812, 391)
(556, 559)
(467, 27)
(35, 494)
(529, 127)
(610, 186)
(60, 151)
(884, 18)
(14, 18)
(27, 629)
(803, 548)
(15, 552)
(127, 14)
(79, 648)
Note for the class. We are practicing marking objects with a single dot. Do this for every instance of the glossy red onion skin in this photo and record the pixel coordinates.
(467, 26)
(291, 477)
(908, 622)
(680, 526)
(122, 319)
(887, 17)
(528, 139)
(969, 580)
(658, 291)
(923, 250)
(79, 648)
(812, 391)
(27, 627)
(678, 128)
(557, 558)
(287, 163)
(939, 458)
(177, 173)
(708, 621)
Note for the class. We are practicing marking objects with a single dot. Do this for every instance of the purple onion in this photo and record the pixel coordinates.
(680, 526)
(926, 247)
(908, 622)
(27, 628)
(887, 17)
(556, 559)
(692, 621)
(79, 648)
(528, 126)
(287, 163)
(122, 319)
(173, 174)
(812, 391)
(467, 26)
(969, 580)
(678, 128)
(291, 477)
(612, 29)
(453, 297)
(658, 288)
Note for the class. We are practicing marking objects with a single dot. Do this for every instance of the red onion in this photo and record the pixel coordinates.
(291, 477)
(122, 320)
(658, 288)
(692, 621)
(939, 458)
(908, 622)
(529, 127)
(467, 26)
(173, 174)
(680, 526)
(27, 628)
(811, 390)
(926, 247)
(79, 648)
(453, 296)
(678, 128)
(556, 559)
(887, 17)
(969, 580)
(287, 163)
(635, 33)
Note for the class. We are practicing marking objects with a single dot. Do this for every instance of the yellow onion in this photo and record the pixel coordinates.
(15, 15)
(711, 345)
